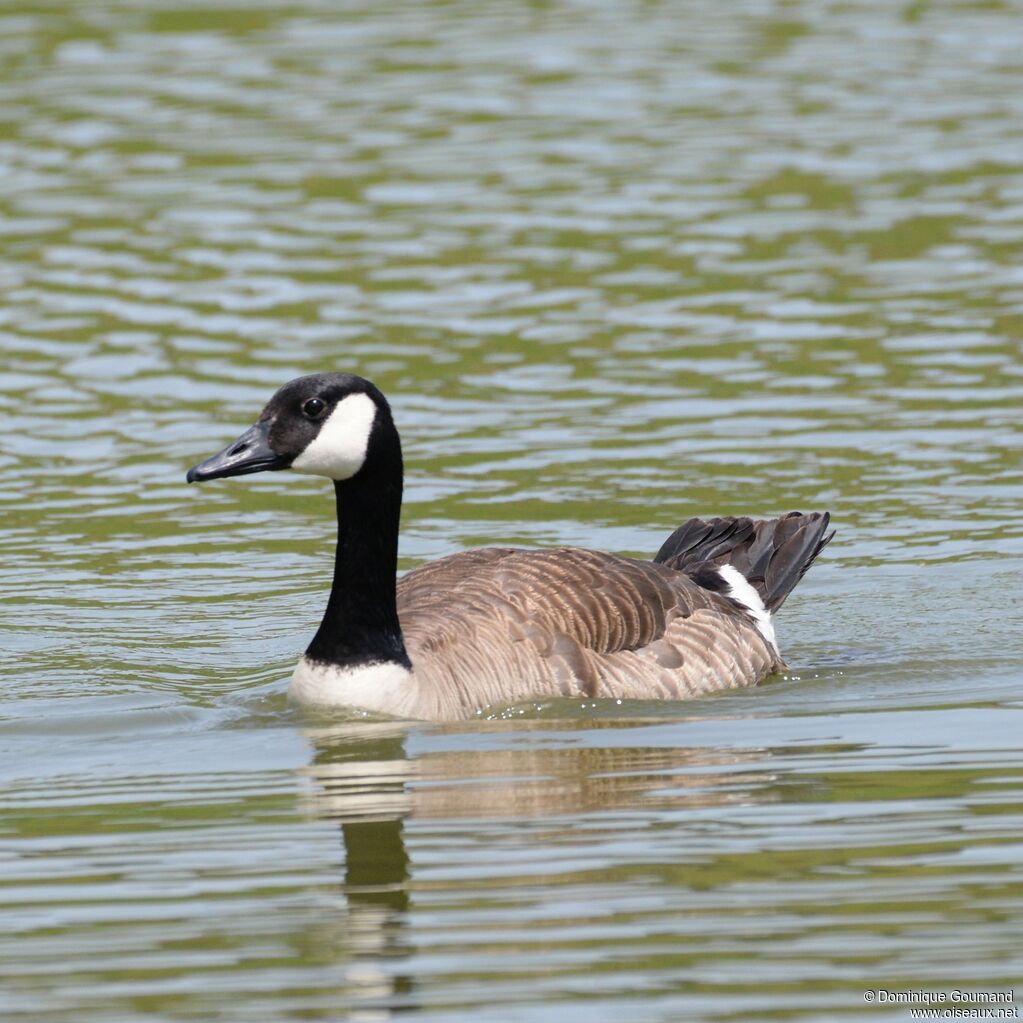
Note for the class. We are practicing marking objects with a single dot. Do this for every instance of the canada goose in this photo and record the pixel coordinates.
(494, 626)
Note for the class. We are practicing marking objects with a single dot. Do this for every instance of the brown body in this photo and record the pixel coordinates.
(495, 626)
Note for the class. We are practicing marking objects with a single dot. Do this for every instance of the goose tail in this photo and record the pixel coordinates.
(771, 555)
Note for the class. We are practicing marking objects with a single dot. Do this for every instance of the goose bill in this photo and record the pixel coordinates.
(251, 452)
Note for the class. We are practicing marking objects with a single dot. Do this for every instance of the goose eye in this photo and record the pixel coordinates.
(313, 408)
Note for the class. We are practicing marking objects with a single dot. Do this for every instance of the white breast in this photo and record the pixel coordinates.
(383, 688)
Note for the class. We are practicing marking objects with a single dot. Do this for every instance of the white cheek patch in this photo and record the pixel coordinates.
(742, 590)
(339, 449)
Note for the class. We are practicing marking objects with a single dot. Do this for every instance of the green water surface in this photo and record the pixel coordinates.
(616, 264)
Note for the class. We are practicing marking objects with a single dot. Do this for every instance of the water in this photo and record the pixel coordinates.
(616, 264)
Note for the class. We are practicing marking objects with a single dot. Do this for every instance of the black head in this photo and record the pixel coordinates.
(326, 424)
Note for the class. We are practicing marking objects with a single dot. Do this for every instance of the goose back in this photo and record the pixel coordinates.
(498, 625)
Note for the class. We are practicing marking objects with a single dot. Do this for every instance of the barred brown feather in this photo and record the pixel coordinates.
(496, 625)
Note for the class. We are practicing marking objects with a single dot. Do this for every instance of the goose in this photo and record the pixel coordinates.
(496, 626)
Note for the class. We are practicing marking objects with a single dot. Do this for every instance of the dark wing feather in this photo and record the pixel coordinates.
(773, 554)
(697, 541)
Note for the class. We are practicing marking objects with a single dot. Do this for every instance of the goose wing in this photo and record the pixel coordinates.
(498, 625)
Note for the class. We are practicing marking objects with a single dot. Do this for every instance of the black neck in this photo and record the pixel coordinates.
(360, 625)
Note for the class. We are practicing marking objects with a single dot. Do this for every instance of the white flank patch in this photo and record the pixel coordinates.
(339, 449)
(384, 687)
(742, 590)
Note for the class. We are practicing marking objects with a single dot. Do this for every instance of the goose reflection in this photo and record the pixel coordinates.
(361, 772)
(361, 779)
(364, 777)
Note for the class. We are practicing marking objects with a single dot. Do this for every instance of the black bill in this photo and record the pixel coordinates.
(251, 452)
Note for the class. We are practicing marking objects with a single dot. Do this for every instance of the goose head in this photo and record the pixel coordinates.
(327, 424)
